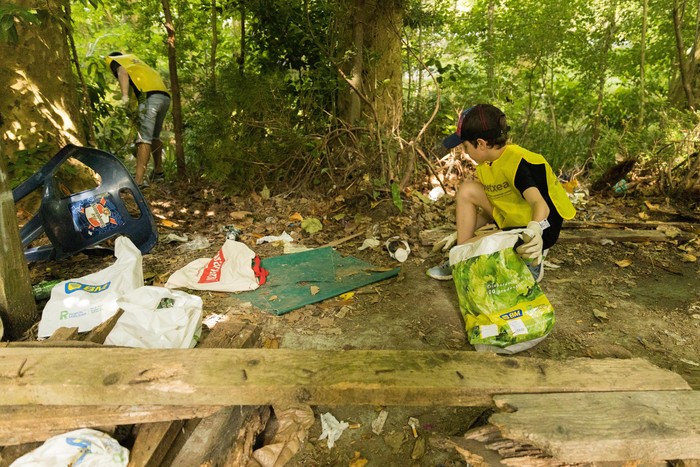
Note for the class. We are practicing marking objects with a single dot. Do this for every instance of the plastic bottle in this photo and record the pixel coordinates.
(42, 290)
(398, 249)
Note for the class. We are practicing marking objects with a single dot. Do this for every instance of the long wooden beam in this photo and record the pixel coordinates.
(119, 376)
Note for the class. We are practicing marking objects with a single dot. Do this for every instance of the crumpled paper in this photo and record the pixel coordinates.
(285, 237)
(332, 429)
(293, 428)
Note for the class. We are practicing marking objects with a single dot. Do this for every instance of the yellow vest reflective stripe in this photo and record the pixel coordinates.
(510, 209)
(143, 76)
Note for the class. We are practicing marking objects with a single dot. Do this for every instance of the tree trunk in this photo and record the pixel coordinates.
(682, 59)
(17, 307)
(358, 32)
(175, 89)
(602, 76)
(214, 43)
(490, 49)
(241, 58)
(642, 61)
(38, 100)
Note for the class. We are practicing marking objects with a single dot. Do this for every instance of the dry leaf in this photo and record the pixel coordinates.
(623, 263)
(358, 460)
(652, 207)
(643, 215)
(601, 315)
(272, 298)
(296, 217)
(688, 258)
(240, 215)
(314, 289)
(168, 224)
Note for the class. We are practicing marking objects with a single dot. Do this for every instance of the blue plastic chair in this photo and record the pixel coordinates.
(79, 221)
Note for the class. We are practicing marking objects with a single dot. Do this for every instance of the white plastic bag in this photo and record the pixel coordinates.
(84, 447)
(229, 270)
(158, 318)
(90, 300)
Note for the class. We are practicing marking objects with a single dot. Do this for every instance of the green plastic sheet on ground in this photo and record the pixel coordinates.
(292, 276)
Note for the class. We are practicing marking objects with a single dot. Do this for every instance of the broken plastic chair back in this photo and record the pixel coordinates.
(74, 222)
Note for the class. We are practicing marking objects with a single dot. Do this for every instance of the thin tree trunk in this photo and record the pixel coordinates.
(241, 58)
(87, 107)
(358, 39)
(175, 89)
(602, 77)
(680, 49)
(17, 307)
(642, 60)
(490, 48)
(214, 43)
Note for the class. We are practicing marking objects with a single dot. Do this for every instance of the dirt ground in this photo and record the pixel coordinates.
(617, 300)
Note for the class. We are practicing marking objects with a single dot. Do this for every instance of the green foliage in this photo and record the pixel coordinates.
(9, 16)
(396, 196)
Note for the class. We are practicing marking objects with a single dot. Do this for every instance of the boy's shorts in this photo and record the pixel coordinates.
(151, 116)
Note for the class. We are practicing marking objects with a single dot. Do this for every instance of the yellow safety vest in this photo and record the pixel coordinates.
(143, 76)
(510, 209)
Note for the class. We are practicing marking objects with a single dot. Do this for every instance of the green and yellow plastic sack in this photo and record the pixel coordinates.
(504, 308)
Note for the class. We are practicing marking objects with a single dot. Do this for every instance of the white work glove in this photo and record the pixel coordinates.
(124, 101)
(531, 249)
(446, 243)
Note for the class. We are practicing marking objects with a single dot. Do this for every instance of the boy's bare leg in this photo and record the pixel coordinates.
(157, 152)
(470, 197)
(143, 153)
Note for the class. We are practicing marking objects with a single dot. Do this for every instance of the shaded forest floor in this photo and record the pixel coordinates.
(611, 299)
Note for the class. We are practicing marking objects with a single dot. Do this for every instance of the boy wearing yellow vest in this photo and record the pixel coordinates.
(154, 101)
(515, 188)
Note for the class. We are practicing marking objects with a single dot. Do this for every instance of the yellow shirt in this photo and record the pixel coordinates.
(142, 76)
(510, 209)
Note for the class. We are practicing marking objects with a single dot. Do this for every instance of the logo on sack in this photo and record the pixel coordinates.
(212, 273)
(75, 286)
(512, 315)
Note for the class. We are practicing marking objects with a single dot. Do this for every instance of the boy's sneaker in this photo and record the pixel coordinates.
(158, 177)
(442, 272)
(144, 184)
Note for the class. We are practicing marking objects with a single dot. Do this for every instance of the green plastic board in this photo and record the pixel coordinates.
(288, 285)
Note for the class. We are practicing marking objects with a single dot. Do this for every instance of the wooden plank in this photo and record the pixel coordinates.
(64, 334)
(100, 332)
(152, 443)
(596, 235)
(119, 376)
(595, 427)
(196, 440)
(28, 423)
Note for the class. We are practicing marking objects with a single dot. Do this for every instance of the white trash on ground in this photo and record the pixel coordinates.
(158, 318)
(84, 447)
(332, 428)
(88, 301)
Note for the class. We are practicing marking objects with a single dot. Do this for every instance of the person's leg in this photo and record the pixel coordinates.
(143, 153)
(157, 151)
(473, 210)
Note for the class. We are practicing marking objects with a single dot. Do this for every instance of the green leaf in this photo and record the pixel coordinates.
(396, 196)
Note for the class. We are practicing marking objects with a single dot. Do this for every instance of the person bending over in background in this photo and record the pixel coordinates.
(516, 188)
(154, 101)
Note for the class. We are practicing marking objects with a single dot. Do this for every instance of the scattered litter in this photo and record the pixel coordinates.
(601, 315)
(606, 241)
(171, 237)
(623, 263)
(550, 265)
(296, 217)
(689, 362)
(398, 249)
(232, 233)
(346, 295)
(418, 449)
(332, 429)
(270, 220)
(199, 242)
(371, 242)
(84, 447)
(620, 187)
(378, 423)
(679, 340)
(290, 248)
(285, 237)
(436, 193)
(358, 460)
(314, 289)
(292, 430)
(413, 423)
